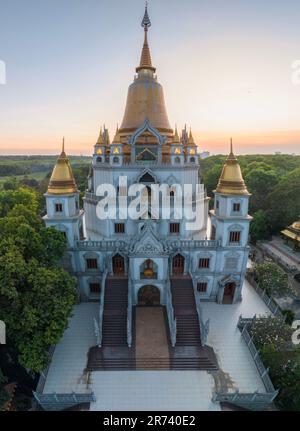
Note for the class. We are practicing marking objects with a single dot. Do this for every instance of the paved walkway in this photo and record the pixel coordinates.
(153, 391)
(70, 356)
(283, 252)
(151, 336)
(233, 355)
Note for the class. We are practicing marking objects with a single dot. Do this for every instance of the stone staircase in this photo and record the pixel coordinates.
(115, 312)
(188, 331)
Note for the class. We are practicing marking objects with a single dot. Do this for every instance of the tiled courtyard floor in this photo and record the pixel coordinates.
(157, 390)
(233, 355)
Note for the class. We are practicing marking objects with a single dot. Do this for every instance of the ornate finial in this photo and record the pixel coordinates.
(146, 23)
(231, 154)
(63, 154)
(145, 62)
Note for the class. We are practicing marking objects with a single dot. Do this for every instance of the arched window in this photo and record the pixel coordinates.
(99, 160)
(177, 160)
(192, 160)
(116, 160)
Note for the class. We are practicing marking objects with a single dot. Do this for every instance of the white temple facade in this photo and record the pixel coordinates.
(151, 251)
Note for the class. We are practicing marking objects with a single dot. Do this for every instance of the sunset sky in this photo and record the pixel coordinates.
(226, 69)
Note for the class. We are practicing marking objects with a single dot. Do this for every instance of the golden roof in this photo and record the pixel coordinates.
(117, 138)
(62, 181)
(100, 139)
(296, 225)
(145, 99)
(191, 139)
(176, 139)
(231, 181)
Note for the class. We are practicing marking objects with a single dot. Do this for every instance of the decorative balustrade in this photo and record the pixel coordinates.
(170, 311)
(63, 401)
(129, 314)
(255, 400)
(269, 301)
(102, 245)
(194, 244)
(101, 308)
(203, 326)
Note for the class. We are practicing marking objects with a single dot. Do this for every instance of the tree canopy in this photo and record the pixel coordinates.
(36, 294)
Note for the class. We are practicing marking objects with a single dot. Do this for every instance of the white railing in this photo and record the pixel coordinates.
(255, 400)
(170, 311)
(101, 308)
(129, 314)
(269, 301)
(63, 401)
(204, 327)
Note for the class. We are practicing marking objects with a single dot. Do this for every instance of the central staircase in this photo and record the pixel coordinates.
(115, 312)
(188, 354)
(185, 311)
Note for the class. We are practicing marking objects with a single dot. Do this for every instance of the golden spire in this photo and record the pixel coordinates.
(62, 181)
(146, 62)
(191, 138)
(231, 181)
(176, 139)
(100, 139)
(117, 138)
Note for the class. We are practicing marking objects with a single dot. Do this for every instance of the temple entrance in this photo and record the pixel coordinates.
(118, 264)
(178, 265)
(149, 296)
(229, 291)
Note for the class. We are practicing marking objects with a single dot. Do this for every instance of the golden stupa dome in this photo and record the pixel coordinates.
(145, 99)
(231, 181)
(62, 181)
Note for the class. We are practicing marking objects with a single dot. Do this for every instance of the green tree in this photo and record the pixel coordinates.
(284, 201)
(271, 278)
(259, 227)
(211, 179)
(24, 196)
(36, 294)
(260, 183)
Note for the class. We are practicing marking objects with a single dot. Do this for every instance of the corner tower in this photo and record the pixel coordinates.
(230, 225)
(62, 201)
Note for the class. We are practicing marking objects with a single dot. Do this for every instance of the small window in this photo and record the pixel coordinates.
(217, 205)
(119, 228)
(172, 193)
(91, 263)
(99, 160)
(174, 228)
(202, 287)
(116, 160)
(204, 262)
(95, 287)
(58, 208)
(234, 237)
(192, 160)
(236, 207)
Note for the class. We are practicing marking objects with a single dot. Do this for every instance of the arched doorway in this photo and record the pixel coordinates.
(149, 296)
(229, 291)
(118, 264)
(178, 265)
